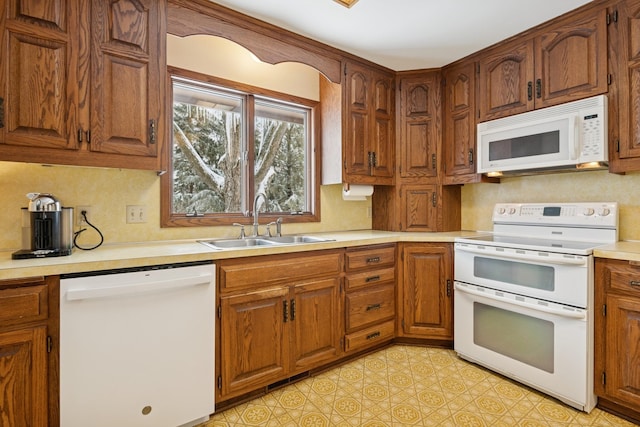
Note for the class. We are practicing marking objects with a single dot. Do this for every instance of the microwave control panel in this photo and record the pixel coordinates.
(593, 126)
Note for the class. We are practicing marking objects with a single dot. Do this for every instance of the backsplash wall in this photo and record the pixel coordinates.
(109, 191)
(599, 186)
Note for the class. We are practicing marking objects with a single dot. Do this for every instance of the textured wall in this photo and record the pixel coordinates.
(599, 186)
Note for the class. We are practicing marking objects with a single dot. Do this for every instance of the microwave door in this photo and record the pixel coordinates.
(537, 145)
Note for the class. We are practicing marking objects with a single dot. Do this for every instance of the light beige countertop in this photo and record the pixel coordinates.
(124, 255)
(624, 250)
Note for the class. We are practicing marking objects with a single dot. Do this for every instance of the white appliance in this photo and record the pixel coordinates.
(566, 136)
(524, 295)
(137, 347)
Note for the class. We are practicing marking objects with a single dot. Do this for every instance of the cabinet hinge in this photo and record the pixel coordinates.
(617, 145)
(49, 344)
(612, 17)
(478, 113)
(219, 382)
(604, 309)
(1, 112)
(609, 79)
(434, 200)
(604, 378)
(345, 69)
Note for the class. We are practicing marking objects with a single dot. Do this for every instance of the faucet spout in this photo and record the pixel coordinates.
(255, 211)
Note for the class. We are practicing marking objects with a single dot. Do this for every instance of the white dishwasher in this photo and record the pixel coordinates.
(137, 347)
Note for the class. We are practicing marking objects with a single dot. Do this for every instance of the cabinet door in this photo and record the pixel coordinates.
(419, 205)
(357, 147)
(622, 357)
(126, 62)
(254, 351)
(419, 115)
(506, 81)
(426, 295)
(39, 76)
(23, 377)
(383, 126)
(627, 50)
(571, 60)
(314, 316)
(459, 124)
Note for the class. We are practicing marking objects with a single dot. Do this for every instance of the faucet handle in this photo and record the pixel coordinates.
(242, 235)
(279, 227)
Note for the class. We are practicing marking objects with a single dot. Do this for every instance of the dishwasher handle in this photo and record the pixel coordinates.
(137, 289)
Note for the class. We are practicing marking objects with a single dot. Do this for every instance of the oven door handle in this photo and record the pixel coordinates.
(536, 307)
(524, 257)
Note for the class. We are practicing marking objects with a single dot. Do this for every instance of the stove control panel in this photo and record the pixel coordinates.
(586, 214)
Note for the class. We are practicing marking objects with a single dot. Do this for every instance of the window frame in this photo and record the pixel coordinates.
(170, 219)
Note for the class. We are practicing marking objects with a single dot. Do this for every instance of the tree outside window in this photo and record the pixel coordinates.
(216, 170)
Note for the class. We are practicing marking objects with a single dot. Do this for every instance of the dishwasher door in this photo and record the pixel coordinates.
(137, 347)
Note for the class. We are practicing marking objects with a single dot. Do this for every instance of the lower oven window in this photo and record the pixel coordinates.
(515, 335)
(518, 273)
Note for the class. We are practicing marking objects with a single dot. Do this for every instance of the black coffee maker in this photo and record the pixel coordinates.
(50, 228)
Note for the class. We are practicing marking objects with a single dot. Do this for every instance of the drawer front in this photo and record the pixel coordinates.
(24, 304)
(368, 307)
(370, 278)
(383, 256)
(268, 270)
(370, 336)
(626, 279)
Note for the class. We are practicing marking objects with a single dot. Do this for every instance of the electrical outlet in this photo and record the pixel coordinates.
(136, 214)
(79, 218)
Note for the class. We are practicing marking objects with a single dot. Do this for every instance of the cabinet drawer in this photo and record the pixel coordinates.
(370, 278)
(24, 304)
(370, 336)
(626, 279)
(381, 256)
(268, 270)
(370, 306)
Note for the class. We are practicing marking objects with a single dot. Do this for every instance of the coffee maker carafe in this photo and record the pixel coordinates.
(50, 228)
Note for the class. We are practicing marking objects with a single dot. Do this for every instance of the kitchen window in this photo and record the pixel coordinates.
(230, 142)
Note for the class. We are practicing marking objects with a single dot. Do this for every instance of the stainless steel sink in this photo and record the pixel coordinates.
(298, 239)
(237, 243)
(262, 241)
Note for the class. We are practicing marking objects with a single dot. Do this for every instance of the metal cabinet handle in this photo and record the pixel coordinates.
(373, 335)
(292, 305)
(374, 307)
(634, 282)
(434, 200)
(152, 131)
(448, 287)
(470, 157)
(372, 279)
(373, 259)
(539, 88)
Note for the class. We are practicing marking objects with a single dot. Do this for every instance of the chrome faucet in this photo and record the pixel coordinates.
(255, 212)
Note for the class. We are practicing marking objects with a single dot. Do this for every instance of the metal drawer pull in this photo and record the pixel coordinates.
(373, 259)
(372, 279)
(634, 283)
(374, 307)
(373, 335)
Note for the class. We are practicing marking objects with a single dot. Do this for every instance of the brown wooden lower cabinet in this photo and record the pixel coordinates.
(288, 322)
(425, 291)
(27, 361)
(617, 336)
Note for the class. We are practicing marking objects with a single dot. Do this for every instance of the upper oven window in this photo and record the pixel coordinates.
(517, 273)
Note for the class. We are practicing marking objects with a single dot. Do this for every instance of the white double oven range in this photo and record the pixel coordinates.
(524, 295)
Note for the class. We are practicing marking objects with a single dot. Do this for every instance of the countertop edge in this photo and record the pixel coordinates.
(126, 255)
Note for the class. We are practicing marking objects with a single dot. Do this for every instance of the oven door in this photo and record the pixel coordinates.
(549, 276)
(542, 344)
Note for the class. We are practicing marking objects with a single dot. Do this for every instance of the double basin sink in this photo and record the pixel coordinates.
(263, 241)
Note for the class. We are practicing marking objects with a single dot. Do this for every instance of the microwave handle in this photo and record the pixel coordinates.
(574, 140)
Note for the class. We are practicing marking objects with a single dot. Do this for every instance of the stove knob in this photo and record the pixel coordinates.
(588, 211)
(501, 211)
(512, 211)
(604, 212)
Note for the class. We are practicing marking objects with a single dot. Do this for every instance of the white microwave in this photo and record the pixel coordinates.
(566, 136)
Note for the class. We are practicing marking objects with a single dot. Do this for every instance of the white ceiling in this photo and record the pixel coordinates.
(406, 34)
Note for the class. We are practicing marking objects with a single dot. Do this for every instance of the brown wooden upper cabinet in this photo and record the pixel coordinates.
(624, 139)
(561, 63)
(368, 123)
(83, 82)
(459, 138)
(419, 121)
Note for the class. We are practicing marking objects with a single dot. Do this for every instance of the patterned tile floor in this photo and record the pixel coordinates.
(408, 386)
